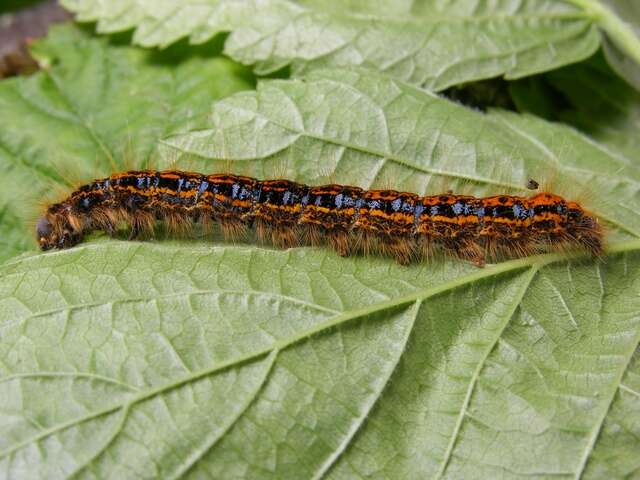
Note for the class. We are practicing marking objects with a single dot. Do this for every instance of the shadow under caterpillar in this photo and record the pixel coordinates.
(403, 225)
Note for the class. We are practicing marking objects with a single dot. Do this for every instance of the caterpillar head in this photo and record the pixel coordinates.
(56, 229)
(585, 228)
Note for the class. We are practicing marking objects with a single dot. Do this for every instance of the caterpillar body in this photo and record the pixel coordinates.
(349, 219)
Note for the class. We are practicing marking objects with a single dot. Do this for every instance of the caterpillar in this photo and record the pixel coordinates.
(403, 225)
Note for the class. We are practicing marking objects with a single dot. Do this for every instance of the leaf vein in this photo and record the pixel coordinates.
(476, 373)
(92, 376)
(209, 444)
(337, 453)
(595, 432)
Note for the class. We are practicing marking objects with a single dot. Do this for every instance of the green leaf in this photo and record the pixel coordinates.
(588, 96)
(167, 359)
(620, 42)
(615, 453)
(224, 361)
(99, 107)
(430, 43)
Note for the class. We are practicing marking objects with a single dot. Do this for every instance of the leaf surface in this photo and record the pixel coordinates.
(429, 43)
(224, 361)
(187, 359)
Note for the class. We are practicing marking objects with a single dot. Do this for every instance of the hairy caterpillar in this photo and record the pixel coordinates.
(349, 219)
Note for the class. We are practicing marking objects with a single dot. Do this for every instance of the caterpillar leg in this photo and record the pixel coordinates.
(473, 252)
(285, 236)
(339, 241)
(134, 233)
(426, 248)
(142, 223)
(233, 230)
(101, 219)
(106, 225)
(178, 224)
(282, 236)
(311, 235)
(109, 229)
(402, 249)
(466, 249)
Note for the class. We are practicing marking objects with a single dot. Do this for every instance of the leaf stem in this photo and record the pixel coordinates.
(620, 32)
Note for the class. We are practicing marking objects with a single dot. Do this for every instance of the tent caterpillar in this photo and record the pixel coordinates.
(349, 219)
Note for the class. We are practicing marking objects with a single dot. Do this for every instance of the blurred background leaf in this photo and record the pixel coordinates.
(629, 12)
(588, 96)
(13, 5)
